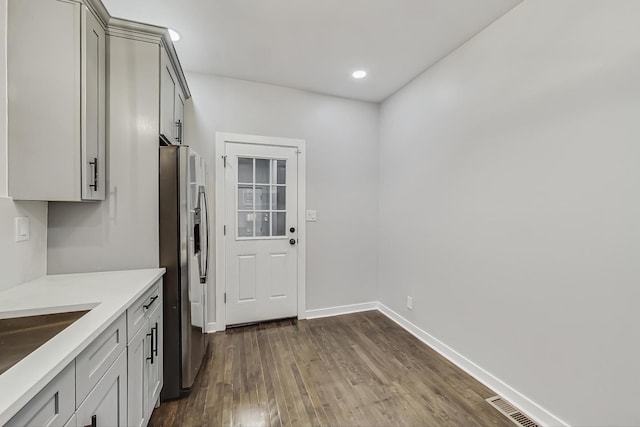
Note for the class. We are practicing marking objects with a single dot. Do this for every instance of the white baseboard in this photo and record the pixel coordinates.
(529, 407)
(342, 309)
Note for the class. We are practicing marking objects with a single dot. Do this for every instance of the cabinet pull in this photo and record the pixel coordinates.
(151, 347)
(179, 131)
(94, 421)
(95, 174)
(155, 347)
(153, 299)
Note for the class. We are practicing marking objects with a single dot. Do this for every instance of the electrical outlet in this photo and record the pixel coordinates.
(410, 303)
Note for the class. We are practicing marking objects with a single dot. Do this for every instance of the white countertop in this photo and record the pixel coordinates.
(107, 295)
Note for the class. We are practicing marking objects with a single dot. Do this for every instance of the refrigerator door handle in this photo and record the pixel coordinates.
(197, 243)
(204, 272)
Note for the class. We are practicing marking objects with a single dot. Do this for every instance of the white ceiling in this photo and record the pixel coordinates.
(316, 44)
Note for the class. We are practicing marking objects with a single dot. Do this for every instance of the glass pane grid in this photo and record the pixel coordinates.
(261, 207)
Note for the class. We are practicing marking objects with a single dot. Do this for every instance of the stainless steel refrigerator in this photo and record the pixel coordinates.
(184, 252)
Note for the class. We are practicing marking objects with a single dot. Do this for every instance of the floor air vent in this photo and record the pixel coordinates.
(511, 412)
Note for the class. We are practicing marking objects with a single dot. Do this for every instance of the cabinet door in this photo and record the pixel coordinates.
(52, 406)
(179, 116)
(168, 88)
(139, 350)
(43, 91)
(155, 365)
(93, 107)
(107, 402)
(73, 421)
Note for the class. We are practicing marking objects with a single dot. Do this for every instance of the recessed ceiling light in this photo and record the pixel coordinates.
(360, 74)
(175, 36)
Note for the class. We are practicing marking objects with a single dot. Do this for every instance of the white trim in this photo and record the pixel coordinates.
(219, 219)
(342, 309)
(528, 406)
(210, 328)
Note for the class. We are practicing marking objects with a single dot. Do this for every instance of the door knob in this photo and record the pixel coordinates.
(292, 229)
(292, 242)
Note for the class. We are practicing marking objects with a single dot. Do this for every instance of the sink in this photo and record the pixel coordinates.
(19, 336)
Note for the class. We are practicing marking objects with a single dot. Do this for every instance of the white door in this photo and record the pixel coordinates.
(261, 190)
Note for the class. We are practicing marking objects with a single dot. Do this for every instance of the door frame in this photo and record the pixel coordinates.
(220, 217)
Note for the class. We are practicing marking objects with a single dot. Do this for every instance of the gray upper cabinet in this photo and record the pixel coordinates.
(93, 104)
(171, 103)
(56, 101)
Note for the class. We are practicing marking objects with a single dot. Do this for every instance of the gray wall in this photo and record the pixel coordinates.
(509, 205)
(342, 173)
(23, 261)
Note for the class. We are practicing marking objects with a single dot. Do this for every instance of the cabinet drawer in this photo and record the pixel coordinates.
(96, 359)
(53, 406)
(139, 310)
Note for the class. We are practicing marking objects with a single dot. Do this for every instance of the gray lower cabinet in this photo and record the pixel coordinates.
(106, 404)
(145, 356)
(115, 382)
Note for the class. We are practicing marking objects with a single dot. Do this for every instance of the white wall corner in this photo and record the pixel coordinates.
(211, 328)
(528, 406)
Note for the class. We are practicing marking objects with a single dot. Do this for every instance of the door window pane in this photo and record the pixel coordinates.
(262, 198)
(245, 197)
(245, 170)
(263, 223)
(262, 203)
(263, 169)
(245, 224)
(279, 224)
(279, 198)
(280, 171)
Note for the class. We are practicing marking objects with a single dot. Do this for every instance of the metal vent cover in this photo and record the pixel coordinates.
(511, 412)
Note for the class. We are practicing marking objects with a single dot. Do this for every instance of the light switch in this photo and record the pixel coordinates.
(22, 229)
(312, 216)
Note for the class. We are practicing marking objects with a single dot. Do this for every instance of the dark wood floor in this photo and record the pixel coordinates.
(353, 370)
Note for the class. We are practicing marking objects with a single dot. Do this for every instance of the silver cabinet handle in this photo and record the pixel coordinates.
(94, 163)
(179, 131)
